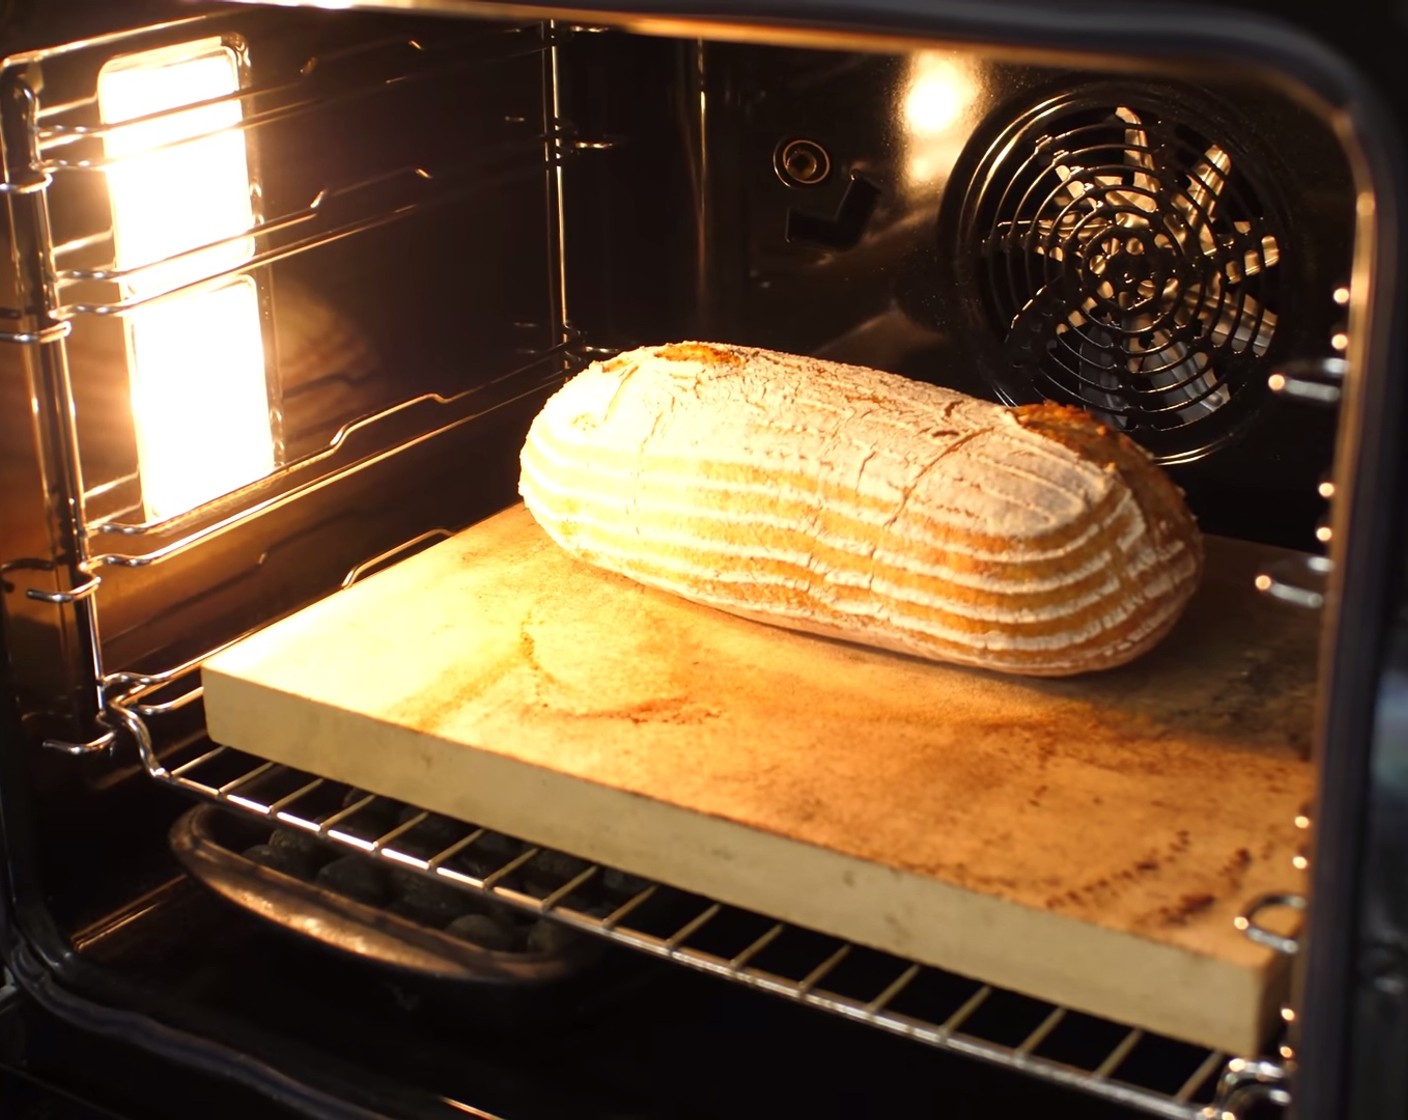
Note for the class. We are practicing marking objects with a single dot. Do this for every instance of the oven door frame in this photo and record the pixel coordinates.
(1356, 914)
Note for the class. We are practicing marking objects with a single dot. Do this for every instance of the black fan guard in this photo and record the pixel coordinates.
(1125, 249)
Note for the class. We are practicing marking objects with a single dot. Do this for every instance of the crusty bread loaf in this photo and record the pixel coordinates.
(862, 505)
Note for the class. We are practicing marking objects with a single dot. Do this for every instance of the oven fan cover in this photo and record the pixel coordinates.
(1126, 253)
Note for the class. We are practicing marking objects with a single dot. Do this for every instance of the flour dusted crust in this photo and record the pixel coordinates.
(858, 504)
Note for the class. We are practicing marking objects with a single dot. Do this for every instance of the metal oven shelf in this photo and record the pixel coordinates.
(1120, 1064)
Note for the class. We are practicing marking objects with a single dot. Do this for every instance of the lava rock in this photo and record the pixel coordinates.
(550, 938)
(297, 864)
(432, 835)
(548, 870)
(479, 865)
(376, 818)
(356, 878)
(498, 845)
(484, 931)
(622, 883)
(430, 903)
(304, 844)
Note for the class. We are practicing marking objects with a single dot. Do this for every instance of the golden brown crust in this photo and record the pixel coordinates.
(700, 352)
(1159, 499)
(1166, 515)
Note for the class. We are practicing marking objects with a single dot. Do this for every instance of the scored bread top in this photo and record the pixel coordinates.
(864, 505)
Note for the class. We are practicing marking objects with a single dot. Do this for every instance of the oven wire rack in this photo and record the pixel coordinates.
(1210, 1085)
(1213, 1085)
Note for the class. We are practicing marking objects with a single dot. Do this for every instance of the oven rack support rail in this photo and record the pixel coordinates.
(1210, 1085)
(46, 143)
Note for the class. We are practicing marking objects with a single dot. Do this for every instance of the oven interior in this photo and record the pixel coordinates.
(445, 219)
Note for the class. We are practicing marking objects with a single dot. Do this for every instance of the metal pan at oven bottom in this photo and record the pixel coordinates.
(563, 975)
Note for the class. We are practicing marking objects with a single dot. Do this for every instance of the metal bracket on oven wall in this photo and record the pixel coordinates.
(1297, 580)
(92, 746)
(1315, 381)
(1247, 922)
(1244, 1085)
(79, 591)
(52, 333)
(62, 598)
(399, 552)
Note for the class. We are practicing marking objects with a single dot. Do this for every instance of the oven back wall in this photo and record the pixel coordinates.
(940, 209)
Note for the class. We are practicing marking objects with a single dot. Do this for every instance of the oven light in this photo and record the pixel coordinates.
(180, 193)
(938, 93)
(937, 101)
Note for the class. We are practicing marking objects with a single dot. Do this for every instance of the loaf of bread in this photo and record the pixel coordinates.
(861, 505)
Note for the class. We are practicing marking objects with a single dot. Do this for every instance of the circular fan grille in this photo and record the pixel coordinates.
(1128, 263)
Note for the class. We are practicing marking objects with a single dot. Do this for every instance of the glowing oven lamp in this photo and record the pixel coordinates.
(178, 182)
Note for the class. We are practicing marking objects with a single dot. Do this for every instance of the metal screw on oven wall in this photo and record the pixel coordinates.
(801, 163)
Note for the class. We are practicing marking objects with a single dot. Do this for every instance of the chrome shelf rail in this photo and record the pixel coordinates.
(59, 136)
(498, 46)
(450, 412)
